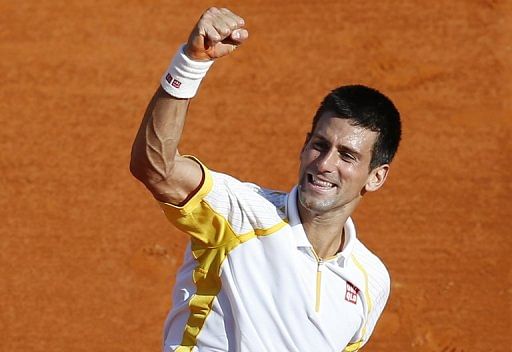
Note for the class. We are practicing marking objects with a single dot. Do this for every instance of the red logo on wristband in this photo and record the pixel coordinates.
(172, 81)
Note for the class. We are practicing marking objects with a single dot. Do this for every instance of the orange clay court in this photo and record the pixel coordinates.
(87, 259)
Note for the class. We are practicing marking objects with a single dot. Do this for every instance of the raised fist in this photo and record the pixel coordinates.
(217, 33)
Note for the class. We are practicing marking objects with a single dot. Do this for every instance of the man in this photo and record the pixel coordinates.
(267, 270)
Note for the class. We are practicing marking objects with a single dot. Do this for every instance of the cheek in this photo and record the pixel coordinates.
(353, 173)
(308, 156)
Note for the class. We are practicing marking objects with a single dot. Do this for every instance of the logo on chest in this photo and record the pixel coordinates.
(351, 294)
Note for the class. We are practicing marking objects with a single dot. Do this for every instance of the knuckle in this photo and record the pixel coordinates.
(211, 12)
(205, 16)
(202, 23)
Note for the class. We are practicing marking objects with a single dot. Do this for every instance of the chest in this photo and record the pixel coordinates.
(272, 280)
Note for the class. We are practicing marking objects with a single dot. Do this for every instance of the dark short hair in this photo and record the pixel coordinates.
(368, 108)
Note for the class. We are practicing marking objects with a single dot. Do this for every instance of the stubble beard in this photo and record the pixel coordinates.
(315, 205)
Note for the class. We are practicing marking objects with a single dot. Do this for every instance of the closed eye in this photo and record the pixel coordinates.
(347, 157)
(320, 145)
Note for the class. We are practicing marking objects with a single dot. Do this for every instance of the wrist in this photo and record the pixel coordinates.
(184, 75)
(195, 54)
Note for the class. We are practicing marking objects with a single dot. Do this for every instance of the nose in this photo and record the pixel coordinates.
(327, 160)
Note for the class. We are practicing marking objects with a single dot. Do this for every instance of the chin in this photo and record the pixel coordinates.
(314, 204)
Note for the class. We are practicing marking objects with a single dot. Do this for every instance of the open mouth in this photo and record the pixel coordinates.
(320, 184)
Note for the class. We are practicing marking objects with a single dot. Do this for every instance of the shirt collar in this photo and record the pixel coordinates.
(300, 236)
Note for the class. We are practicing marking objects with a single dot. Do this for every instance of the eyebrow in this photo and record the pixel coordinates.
(341, 148)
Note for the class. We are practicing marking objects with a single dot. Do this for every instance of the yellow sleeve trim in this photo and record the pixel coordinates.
(353, 347)
(194, 201)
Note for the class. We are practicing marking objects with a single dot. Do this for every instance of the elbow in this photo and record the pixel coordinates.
(135, 161)
(147, 174)
(136, 170)
(153, 181)
(139, 167)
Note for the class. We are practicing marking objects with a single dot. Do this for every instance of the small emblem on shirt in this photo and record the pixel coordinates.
(351, 294)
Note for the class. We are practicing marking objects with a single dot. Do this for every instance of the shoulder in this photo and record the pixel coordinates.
(245, 203)
(242, 189)
(277, 199)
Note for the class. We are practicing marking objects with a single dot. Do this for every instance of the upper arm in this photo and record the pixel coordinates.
(180, 184)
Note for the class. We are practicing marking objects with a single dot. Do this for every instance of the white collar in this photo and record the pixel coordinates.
(300, 236)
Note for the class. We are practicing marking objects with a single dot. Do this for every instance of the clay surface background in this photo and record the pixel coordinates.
(87, 260)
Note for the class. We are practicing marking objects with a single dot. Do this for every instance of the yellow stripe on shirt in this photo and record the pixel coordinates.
(212, 239)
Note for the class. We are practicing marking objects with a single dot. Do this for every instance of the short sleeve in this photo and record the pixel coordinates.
(223, 209)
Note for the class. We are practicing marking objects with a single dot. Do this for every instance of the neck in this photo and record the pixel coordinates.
(324, 231)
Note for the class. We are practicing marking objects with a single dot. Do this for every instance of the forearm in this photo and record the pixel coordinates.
(155, 148)
(155, 160)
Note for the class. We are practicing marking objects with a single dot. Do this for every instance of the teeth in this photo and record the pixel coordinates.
(321, 183)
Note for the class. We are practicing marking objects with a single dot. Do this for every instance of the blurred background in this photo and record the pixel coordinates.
(87, 260)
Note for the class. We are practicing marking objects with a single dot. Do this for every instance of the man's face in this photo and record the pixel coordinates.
(334, 165)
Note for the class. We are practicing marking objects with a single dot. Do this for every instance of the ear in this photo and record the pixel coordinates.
(377, 178)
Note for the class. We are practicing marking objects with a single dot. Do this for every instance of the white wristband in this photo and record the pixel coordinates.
(184, 75)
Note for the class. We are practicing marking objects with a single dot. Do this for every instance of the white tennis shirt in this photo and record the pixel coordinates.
(251, 280)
